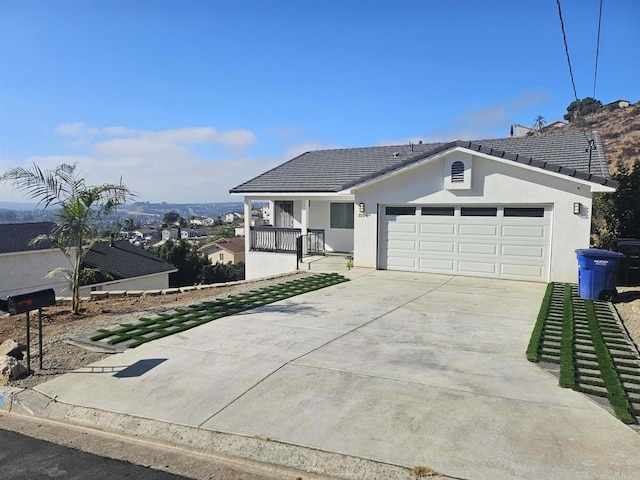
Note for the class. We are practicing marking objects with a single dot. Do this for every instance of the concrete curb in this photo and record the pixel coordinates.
(202, 441)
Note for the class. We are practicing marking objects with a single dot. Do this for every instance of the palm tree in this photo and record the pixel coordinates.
(539, 123)
(79, 206)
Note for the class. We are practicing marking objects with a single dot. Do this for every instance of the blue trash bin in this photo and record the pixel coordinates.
(597, 273)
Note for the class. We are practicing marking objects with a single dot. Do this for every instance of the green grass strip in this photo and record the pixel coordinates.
(533, 350)
(567, 368)
(615, 392)
(204, 312)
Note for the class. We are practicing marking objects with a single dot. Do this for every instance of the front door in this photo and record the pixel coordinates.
(284, 214)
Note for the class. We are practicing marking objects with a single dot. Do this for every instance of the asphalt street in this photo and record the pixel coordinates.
(27, 458)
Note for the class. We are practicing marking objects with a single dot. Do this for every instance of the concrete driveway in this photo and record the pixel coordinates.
(407, 369)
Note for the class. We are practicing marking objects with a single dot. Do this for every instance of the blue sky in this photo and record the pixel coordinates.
(186, 99)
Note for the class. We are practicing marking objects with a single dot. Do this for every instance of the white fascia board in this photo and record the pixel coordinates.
(298, 195)
(30, 252)
(595, 187)
(120, 280)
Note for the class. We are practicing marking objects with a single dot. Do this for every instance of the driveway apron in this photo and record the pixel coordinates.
(395, 367)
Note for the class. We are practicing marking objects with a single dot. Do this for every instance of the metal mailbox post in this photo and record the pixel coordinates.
(27, 302)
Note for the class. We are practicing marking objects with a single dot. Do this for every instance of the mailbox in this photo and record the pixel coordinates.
(27, 302)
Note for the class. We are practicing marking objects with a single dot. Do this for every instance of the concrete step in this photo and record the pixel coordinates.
(327, 263)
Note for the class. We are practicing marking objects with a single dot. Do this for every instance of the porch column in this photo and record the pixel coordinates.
(304, 216)
(247, 224)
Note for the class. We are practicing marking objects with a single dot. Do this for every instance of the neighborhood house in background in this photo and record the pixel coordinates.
(127, 266)
(513, 208)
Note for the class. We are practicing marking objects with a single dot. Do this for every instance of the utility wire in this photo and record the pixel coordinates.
(590, 141)
(595, 73)
(566, 49)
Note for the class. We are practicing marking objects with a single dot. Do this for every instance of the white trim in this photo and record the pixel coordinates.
(121, 280)
(287, 195)
(595, 187)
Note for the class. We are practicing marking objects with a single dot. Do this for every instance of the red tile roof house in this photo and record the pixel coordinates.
(225, 250)
(513, 208)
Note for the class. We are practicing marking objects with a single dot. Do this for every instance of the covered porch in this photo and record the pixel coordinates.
(300, 227)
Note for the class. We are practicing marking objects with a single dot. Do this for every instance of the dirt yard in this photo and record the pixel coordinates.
(59, 324)
(628, 306)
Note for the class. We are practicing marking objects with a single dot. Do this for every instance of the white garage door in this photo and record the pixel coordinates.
(491, 241)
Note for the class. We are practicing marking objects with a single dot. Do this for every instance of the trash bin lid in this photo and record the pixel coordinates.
(597, 253)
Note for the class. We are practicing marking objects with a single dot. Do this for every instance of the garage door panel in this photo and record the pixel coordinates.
(477, 267)
(532, 271)
(437, 229)
(400, 227)
(482, 230)
(406, 245)
(534, 231)
(477, 248)
(494, 246)
(405, 262)
(437, 247)
(437, 264)
(530, 251)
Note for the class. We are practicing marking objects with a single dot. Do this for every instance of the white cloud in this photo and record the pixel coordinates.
(190, 164)
(71, 129)
(487, 121)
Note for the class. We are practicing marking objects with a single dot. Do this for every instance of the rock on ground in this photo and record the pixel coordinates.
(10, 369)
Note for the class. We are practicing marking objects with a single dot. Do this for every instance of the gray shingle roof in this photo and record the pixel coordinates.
(340, 169)
(15, 237)
(124, 260)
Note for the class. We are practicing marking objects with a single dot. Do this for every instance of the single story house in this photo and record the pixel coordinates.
(619, 104)
(518, 130)
(129, 267)
(23, 266)
(224, 250)
(512, 208)
(232, 217)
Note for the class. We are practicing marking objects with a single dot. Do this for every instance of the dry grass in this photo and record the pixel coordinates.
(421, 471)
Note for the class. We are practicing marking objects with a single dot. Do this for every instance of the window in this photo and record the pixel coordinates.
(400, 210)
(341, 215)
(523, 212)
(479, 211)
(222, 257)
(439, 211)
(457, 172)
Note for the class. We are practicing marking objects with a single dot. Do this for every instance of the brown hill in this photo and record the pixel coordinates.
(618, 127)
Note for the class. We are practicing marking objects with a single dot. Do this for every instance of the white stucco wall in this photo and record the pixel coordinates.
(336, 239)
(24, 272)
(157, 281)
(493, 182)
(264, 264)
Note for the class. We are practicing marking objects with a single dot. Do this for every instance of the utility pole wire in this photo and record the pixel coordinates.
(590, 141)
(566, 49)
(595, 73)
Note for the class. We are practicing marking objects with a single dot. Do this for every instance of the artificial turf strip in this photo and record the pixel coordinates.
(181, 319)
(533, 350)
(615, 392)
(567, 366)
(604, 362)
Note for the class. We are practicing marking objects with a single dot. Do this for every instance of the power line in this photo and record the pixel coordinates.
(590, 141)
(595, 73)
(566, 49)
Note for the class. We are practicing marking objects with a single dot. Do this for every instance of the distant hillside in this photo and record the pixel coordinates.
(618, 127)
